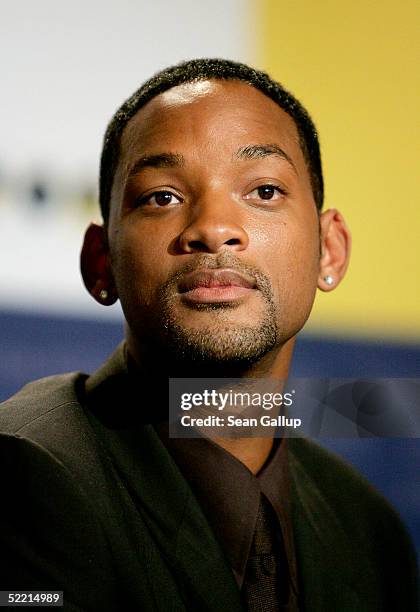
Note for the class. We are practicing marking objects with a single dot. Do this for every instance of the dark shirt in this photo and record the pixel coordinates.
(230, 494)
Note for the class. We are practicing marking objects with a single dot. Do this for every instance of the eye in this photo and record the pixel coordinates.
(158, 199)
(266, 192)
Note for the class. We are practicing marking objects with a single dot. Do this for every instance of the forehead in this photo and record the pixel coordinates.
(222, 112)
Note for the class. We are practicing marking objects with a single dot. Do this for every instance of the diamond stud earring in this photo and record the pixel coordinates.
(103, 294)
(329, 280)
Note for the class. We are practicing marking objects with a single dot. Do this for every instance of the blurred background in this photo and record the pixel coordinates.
(66, 67)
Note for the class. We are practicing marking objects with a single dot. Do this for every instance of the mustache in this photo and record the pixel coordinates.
(224, 259)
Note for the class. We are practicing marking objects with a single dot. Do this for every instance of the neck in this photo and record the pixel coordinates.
(252, 452)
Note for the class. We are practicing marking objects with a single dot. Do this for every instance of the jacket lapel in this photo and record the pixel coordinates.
(332, 571)
(161, 495)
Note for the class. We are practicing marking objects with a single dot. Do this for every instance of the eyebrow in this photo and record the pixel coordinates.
(254, 151)
(160, 160)
(173, 160)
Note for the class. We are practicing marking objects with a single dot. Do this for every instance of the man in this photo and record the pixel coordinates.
(213, 240)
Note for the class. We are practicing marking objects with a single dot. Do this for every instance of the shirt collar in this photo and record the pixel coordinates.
(229, 493)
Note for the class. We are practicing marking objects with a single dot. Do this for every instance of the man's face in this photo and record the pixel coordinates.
(213, 231)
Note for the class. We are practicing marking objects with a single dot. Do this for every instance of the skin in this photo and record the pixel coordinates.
(216, 210)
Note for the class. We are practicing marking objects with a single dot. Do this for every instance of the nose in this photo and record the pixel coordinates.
(214, 224)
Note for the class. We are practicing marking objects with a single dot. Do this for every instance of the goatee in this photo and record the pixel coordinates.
(223, 349)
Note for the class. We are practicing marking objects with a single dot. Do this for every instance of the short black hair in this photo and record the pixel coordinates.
(203, 70)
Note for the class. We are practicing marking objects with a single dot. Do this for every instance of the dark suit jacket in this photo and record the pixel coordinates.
(93, 504)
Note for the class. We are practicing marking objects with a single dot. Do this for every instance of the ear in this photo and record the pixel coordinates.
(95, 266)
(335, 249)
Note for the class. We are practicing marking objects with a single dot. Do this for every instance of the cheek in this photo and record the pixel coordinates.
(139, 265)
(292, 260)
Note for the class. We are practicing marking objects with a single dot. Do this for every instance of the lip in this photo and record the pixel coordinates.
(215, 286)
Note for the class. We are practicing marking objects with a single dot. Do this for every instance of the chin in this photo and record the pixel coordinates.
(222, 350)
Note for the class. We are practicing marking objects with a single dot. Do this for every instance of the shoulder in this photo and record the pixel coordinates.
(38, 399)
(344, 489)
(48, 520)
(48, 417)
(324, 467)
(355, 519)
(331, 475)
(47, 411)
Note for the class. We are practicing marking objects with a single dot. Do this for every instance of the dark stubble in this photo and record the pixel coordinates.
(222, 348)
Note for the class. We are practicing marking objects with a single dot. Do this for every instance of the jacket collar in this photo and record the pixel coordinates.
(331, 564)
